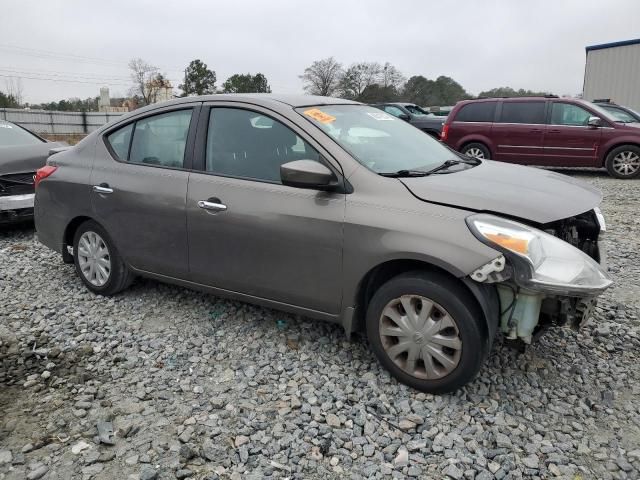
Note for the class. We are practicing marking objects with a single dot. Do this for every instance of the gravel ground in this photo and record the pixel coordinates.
(201, 387)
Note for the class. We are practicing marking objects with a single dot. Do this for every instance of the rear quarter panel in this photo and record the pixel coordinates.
(65, 194)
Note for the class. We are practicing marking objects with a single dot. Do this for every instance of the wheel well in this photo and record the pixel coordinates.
(606, 154)
(379, 275)
(69, 233)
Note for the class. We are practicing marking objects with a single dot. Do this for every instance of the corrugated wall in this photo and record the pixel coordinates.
(45, 121)
(614, 73)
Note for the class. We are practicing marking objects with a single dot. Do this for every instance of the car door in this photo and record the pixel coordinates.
(519, 132)
(570, 141)
(139, 184)
(250, 234)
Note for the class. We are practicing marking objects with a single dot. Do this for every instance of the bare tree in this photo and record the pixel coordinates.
(358, 77)
(144, 77)
(391, 77)
(322, 77)
(14, 89)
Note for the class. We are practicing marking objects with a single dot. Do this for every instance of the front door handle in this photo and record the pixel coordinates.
(103, 188)
(212, 204)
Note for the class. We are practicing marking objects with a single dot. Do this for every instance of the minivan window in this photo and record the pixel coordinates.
(120, 140)
(161, 139)
(476, 112)
(569, 114)
(377, 140)
(522, 112)
(619, 114)
(246, 144)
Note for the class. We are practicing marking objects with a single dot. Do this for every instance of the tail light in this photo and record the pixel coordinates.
(43, 173)
(445, 132)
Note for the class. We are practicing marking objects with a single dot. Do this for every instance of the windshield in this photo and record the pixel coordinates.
(619, 114)
(379, 141)
(415, 110)
(12, 135)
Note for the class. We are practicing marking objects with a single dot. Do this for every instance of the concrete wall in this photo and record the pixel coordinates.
(614, 73)
(52, 122)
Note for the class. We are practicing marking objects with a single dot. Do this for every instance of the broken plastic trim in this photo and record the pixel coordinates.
(492, 272)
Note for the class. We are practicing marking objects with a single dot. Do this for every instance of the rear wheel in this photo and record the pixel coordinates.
(97, 262)
(476, 150)
(424, 328)
(624, 162)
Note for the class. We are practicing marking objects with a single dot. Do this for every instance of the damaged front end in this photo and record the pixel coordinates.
(545, 276)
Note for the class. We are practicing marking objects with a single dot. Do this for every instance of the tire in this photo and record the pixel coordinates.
(451, 304)
(107, 277)
(623, 162)
(476, 150)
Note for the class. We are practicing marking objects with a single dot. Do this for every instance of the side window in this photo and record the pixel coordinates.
(568, 114)
(477, 112)
(395, 111)
(246, 144)
(161, 139)
(522, 112)
(119, 141)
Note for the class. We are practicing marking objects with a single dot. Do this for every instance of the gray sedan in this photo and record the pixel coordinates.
(333, 210)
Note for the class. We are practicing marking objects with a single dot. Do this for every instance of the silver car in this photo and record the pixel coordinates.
(333, 210)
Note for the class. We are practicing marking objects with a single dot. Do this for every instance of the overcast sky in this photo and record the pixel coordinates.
(536, 45)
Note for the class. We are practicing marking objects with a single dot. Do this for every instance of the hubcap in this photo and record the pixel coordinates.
(474, 153)
(94, 259)
(626, 163)
(420, 337)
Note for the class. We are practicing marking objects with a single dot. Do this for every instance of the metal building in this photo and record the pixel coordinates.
(613, 71)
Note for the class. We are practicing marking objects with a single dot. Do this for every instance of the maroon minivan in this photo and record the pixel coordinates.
(551, 131)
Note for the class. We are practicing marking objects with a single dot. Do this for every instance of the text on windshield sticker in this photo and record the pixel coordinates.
(319, 115)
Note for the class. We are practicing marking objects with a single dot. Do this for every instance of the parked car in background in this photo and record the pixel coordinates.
(438, 111)
(550, 131)
(620, 113)
(415, 115)
(21, 154)
(333, 210)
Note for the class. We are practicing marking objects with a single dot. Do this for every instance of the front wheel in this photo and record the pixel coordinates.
(624, 162)
(97, 262)
(425, 329)
(476, 150)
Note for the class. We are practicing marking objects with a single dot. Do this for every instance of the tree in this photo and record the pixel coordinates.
(147, 80)
(442, 91)
(8, 101)
(391, 77)
(357, 77)
(198, 79)
(510, 92)
(378, 93)
(322, 77)
(14, 89)
(248, 83)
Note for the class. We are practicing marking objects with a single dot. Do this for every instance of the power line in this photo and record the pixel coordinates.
(63, 74)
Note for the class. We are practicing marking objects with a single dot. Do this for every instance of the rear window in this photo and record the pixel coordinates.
(12, 135)
(477, 112)
(522, 112)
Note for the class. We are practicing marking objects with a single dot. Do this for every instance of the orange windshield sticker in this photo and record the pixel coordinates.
(319, 115)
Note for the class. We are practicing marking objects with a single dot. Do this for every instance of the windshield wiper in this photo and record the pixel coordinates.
(424, 173)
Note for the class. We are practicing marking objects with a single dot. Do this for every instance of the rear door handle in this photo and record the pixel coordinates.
(103, 188)
(212, 205)
(536, 130)
(554, 131)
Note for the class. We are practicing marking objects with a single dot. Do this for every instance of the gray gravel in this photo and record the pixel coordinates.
(200, 387)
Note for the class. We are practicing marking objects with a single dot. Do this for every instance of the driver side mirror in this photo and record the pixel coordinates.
(307, 174)
(594, 122)
(404, 116)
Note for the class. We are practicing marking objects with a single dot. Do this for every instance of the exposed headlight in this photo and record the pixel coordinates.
(541, 261)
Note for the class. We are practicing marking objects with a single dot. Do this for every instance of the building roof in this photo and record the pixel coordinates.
(613, 44)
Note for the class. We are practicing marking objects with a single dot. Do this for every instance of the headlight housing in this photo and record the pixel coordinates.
(541, 261)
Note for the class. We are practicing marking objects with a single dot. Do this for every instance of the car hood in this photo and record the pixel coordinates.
(528, 193)
(25, 158)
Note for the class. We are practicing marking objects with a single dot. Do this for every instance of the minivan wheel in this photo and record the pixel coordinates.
(423, 328)
(476, 150)
(624, 162)
(97, 262)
